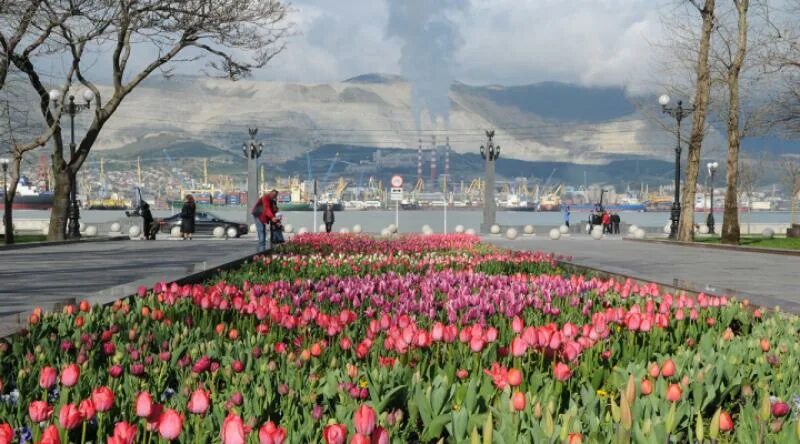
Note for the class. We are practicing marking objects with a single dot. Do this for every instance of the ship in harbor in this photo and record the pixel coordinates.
(29, 197)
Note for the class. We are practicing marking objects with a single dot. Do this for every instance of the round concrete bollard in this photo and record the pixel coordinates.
(46, 230)
(427, 230)
(470, 231)
(81, 227)
(555, 234)
(321, 228)
(251, 228)
(288, 228)
(668, 228)
(597, 234)
(344, 230)
(134, 231)
(115, 227)
(563, 229)
(528, 230)
(231, 232)
(511, 233)
(386, 232)
(459, 229)
(219, 232)
(768, 233)
(175, 232)
(91, 231)
(632, 229)
(392, 228)
(302, 230)
(640, 233)
(703, 229)
(495, 229)
(357, 229)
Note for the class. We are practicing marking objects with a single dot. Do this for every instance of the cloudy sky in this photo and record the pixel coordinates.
(591, 42)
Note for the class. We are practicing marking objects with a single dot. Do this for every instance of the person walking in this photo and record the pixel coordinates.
(187, 217)
(606, 222)
(263, 215)
(615, 220)
(566, 216)
(328, 217)
(147, 221)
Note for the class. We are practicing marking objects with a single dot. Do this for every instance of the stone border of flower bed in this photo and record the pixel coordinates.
(778, 251)
(199, 272)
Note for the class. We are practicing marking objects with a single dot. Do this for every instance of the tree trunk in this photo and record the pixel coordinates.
(730, 224)
(58, 215)
(702, 93)
(8, 220)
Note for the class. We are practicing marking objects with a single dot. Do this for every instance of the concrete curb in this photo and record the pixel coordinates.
(777, 251)
(198, 272)
(55, 243)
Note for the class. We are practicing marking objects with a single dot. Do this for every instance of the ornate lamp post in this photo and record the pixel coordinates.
(252, 151)
(678, 113)
(712, 168)
(490, 153)
(72, 109)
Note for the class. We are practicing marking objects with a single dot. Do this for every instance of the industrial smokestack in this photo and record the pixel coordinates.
(419, 161)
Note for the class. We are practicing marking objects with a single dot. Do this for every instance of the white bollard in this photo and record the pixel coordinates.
(115, 227)
(768, 233)
(386, 232)
(470, 231)
(344, 230)
(232, 232)
(302, 230)
(175, 232)
(357, 229)
(322, 228)
(632, 229)
(219, 232)
(640, 234)
(134, 231)
(251, 229)
(597, 234)
(563, 229)
(392, 228)
(459, 229)
(91, 231)
(288, 228)
(704, 229)
(555, 234)
(495, 229)
(81, 227)
(427, 230)
(511, 233)
(528, 230)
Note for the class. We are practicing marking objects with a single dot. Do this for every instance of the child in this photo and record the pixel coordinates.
(276, 230)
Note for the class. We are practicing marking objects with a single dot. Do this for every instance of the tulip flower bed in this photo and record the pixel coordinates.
(341, 338)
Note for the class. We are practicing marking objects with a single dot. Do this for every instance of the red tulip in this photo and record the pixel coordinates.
(668, 368)
(69, 416)
(780, 408)
(673, 393)
(6, 434)
(725, 422)
(124, 432)
(271, 434)
(335, 434)
(764, 345)
(86, 407)
(144, 405)
(646, 387)
(561, 371)
(514, 377)
(519, 346)
(654, 370)
(199, 402)
(518, 401)
(50, 435)
(39, 411)
(47, 378)
(103, 399)
(70, 375)
(364, 420)
(170, 424)
(232, 430)
(462, 373)
(359, 439)
(575, 438)
(380, 436)
(517, 325)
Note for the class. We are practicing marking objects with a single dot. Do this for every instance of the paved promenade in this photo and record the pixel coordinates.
(44, 276)
(767, 279)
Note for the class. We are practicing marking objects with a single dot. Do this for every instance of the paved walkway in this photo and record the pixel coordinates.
(767, 279)
(44, 276)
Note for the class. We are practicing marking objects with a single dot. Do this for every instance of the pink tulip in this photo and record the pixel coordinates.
(232, 430)
(170, 424)
(144, 405)
(359, 439)
(39, 411)
(561, 371)
(364, 420)
(50, 435)
(70, 375)
(124, 432)
(47, 378)
(103, 399)
(271, 434)
(199, 402)
(6, 433)
(69, 416)
(334, 434)
(518, 346)
(517, 325)
(380, 436)
(86, 407)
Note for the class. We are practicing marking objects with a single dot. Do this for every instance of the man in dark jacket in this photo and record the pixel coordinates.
(615, 220)
(328, 217)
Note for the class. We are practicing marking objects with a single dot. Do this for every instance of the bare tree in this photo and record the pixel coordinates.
(701, 102)
(750, 174)
(235, 36)
(791, 178)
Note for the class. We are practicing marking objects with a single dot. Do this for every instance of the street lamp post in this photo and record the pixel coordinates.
(678, 113)
(6, 210)
(490, 153)
(252, 151)
(712, 168)
(72, 109)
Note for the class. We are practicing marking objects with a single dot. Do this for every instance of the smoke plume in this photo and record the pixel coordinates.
(430, 41)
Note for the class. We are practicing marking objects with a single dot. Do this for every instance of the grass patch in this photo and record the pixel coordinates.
(24, 238)
(776, 242)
